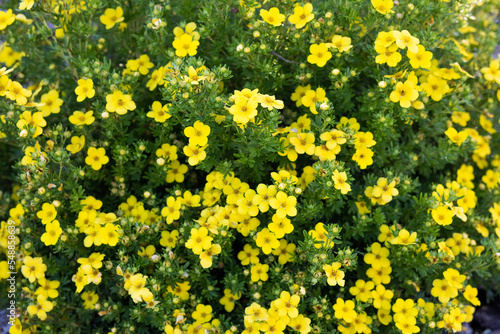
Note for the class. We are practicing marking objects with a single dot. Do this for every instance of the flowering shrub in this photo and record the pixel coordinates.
(244, 167)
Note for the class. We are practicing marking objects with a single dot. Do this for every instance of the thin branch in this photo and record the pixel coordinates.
(280, 57)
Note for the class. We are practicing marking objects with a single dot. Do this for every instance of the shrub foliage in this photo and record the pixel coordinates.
(241, 167)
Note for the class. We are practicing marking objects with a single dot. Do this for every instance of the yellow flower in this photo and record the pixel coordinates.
(189, 29)
(300, 92)
(176, 172)
(491, 179)
(193, 78)
(389, 55)
(169, 239)
(51, 103)
(248, 255)
(383, 6)
(421, 58)
(6, 19)
(111, 17)
(435, 87)
(491, 73)
(195, 154)
(206, 256)
(142, 64)
(319, 54)
(26, 4)
(258, 272)
(267, 241)
(470, 294)
(244, 109)
(340, 179)
(52, 232)
(185, 45)
(77, 143)
(453, 277)
(284, 204)
(33, 268)
(159, 113)
(344, 310)
(199, 240)
(79, 118)
(320, 236)
(333, 274)
(89, 300)
(456, 137)
(362, 290)
(303, 143)
(405, 40)
(363, 156)
(273, 16)
(203, 313)
(286, 251)
(108, 235)
(197, 134)
(363, 139)
(16, 92)
(96, 157)
(47, 214)
(119, 102)
(301, 15)
(228, 300)
(460, 117)
(35, 121)
(48, 288)
(443, 290)
(404, 93)
(269, 102)
(85, 89)
(157, 78)
(311, 97)
(286, 305)
(487, 125)
(342, 44)
(404, 238)
(41, 308)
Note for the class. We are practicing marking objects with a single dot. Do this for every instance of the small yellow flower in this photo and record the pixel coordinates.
(119, 102)
(383, 6)
(340, 180)
(111, 17)
(185, 45)
(41, 308)
(16, 92)
(301, 15)
(195, 154)
(342, 44)
(51, 103)
(33, 268)
(52, 232)
(79, 118)
(405, 40)
(319, 54)
(96, 157)
(85, 89)
(6, 19)
(159, 112)
(456, 137)
(77, 143)
(47, 214)
(404, 93)
(404, 238)
(273, 16)
(26, 4)
(36, 121)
